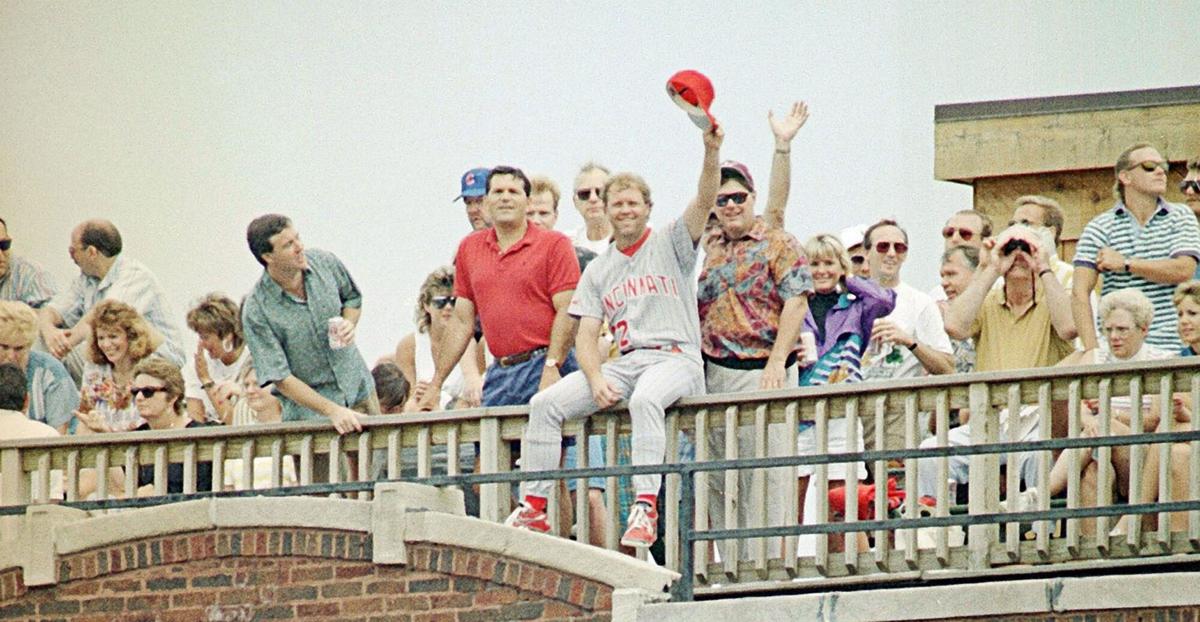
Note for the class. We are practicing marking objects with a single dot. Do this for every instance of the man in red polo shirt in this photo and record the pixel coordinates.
(519, 280)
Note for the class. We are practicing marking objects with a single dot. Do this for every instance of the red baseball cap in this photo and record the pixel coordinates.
(693, 91)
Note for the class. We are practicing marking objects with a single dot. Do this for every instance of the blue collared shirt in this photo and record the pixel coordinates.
(53, 396)
(289, 337)
(133, 284)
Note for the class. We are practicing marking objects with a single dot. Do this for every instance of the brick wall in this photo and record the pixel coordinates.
(261, 574)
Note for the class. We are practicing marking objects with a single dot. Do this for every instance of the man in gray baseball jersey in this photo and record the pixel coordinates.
(644, 289)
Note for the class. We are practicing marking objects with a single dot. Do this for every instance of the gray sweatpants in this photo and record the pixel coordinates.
(651, 380)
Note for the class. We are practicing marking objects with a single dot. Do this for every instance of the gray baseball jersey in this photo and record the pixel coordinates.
(649, 299)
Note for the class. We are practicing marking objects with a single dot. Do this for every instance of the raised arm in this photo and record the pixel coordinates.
(963, 310)
(1058, 299)
(710, 181)
(784, 128)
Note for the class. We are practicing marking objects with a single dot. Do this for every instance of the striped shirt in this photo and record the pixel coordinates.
(1171, 232)
(27, 282)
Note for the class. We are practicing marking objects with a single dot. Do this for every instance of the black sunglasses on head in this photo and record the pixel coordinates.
(738, 198)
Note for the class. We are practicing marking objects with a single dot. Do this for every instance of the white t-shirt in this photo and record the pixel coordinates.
(917, 314)
(220, 372)
(579, 238)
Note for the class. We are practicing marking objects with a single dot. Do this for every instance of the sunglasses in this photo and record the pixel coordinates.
(1150, 166)
(857, 259)
(738, 198)
(584, 194)
(441, 302)
(1194, 184)
(884, 247)
(146, 392)
(965, 234)
(7, 244)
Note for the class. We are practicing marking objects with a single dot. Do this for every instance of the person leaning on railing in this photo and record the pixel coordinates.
(418, 352)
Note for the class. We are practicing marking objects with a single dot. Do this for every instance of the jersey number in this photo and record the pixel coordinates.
(621, 333)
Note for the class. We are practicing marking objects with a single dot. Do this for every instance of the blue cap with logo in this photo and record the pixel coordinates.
(474, 183)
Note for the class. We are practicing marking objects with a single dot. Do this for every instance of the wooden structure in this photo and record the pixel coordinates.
(1061, 147)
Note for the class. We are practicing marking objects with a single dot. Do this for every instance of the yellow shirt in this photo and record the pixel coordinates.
(1004, 340)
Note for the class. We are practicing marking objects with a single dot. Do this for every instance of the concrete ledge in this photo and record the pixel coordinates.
(106, 529)
(301, 512)
(1035, 596)
(600, 565)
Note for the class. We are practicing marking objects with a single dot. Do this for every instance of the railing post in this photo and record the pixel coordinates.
(687, 524)
(489, 462)
(984, 474)
(14, 490)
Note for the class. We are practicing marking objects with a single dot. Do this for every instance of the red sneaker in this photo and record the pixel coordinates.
(525, 517)
(643, 527)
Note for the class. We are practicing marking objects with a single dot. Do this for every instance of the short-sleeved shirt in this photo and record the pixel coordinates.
(1004, 340)
(290, 337)
(649, 297)
(53, 396)
(743, 288)
(513, 290)
(219, 372)
(916, 314)
(133, 284)
(1171, 232)
(26, 282)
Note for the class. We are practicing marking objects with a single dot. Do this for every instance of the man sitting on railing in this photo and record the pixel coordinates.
(642, 287)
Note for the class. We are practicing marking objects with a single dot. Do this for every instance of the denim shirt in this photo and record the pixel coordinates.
(289, 337)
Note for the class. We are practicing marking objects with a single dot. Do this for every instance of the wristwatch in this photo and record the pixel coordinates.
(207, 385)
(552, 362)
(912, 347)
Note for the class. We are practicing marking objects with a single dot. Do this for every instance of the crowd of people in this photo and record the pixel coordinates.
(721, 299)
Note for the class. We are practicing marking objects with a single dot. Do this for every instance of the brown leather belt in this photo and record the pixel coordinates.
(520, 357)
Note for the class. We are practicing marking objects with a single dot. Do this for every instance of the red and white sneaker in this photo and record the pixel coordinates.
(642, 528)
(525, 517)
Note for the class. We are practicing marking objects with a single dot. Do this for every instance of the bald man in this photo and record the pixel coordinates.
(103, 275)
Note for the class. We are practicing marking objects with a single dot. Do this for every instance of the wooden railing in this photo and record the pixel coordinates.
(392, 446)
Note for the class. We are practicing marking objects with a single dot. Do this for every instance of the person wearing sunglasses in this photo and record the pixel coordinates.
(417, 351)
(157, 391)
(1190, 186)
(1143, 242)
(852, 240)
(752, 296)
(964, 228)
(20, 279)
(642, 287)
(596, 232)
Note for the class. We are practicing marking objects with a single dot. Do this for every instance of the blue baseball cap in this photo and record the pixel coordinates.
(474, 183)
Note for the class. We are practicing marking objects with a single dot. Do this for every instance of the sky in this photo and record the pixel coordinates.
(182, 121)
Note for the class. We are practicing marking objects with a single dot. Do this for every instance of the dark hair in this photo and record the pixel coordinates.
(12, 388)
(390, 386)
(103, 235)
(511, 171)
(970, 255)
(260, 231)
(886, 222)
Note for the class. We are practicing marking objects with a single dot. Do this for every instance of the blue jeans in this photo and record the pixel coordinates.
(515, 385)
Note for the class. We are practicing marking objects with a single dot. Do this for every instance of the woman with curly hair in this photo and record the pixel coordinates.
(417, 352)
(120, 339)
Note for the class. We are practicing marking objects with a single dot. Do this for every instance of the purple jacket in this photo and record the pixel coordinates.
(855, 312)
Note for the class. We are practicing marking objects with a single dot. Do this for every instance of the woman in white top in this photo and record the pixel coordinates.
(416, 352)
(219, 359)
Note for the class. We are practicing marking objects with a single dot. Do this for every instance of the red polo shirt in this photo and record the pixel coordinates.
(513, 290)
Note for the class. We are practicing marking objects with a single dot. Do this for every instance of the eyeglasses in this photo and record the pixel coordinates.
(737, 197)
(584, 194)
(146, 392)
(5, 244)
(965, 234)
(884, 247)
(441, 302)
(857, 259)
(1194, 184)
(1151, 165)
